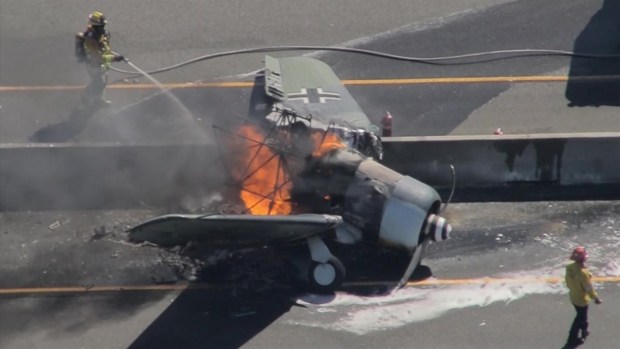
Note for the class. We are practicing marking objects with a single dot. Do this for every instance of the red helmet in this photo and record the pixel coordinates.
(579, 254)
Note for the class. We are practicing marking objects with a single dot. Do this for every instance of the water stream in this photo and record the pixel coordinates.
(186, 113)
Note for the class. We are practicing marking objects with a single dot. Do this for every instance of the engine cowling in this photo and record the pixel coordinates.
(389, 208)
(409, 215)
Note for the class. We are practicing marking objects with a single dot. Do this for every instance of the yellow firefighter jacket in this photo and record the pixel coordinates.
(578, 280)
(94, 49)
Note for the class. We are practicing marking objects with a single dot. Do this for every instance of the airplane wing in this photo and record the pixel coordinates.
(241, 230)
(309, 86)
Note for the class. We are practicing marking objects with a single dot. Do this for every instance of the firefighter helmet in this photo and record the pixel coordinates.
(579, 254)
(97, 19)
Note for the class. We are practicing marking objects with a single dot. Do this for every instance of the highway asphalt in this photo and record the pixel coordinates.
(499, 278)
(70, 280)
(475, 98)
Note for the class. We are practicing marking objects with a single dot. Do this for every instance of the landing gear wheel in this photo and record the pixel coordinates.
(326, 277)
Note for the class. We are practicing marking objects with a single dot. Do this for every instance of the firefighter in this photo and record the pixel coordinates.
(581, 292)
(92, 47)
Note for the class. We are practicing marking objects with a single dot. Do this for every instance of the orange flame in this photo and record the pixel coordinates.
(324, 142)
(266, 185)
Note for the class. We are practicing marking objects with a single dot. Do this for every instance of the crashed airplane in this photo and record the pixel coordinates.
(308, 172)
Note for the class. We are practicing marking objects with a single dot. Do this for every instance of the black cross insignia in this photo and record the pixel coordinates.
(313, 95)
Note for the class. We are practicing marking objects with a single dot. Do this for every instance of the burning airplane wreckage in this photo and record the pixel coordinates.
(308, 175)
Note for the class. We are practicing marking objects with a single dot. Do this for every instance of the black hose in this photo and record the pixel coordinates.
(445, 60)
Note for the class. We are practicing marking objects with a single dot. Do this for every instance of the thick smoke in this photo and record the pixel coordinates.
(150, 153)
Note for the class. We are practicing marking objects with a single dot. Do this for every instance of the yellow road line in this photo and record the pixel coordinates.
(522, 280)
(486, 281)
(170, 86)
(84, 289)
(375, 82)
(183, 286)
(457, 80)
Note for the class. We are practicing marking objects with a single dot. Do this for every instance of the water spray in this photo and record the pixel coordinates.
(187, 113)
(148, 76)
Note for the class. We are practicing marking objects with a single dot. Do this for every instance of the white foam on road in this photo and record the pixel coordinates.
(362, 315)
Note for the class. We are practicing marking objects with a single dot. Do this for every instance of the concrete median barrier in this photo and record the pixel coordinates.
(584, 162)
(88, 176)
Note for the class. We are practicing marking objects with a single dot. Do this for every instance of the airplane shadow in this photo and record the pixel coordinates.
(203, 318)
(596, 81)
(232, 314)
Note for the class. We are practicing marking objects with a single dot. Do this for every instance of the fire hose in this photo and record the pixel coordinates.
(470, 58)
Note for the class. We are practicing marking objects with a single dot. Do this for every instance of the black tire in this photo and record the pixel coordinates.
(326, 277)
